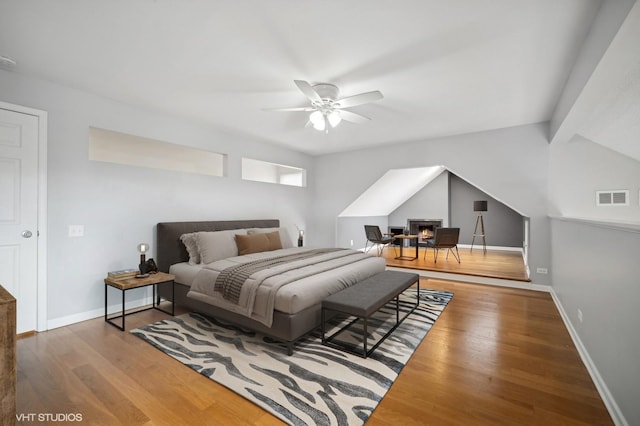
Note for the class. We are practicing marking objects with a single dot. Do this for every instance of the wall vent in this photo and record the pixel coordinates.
(612, 198)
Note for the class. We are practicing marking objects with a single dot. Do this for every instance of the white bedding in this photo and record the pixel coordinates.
(276, 292)
(185, 272)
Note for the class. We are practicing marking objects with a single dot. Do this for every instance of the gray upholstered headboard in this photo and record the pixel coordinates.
(170, 249)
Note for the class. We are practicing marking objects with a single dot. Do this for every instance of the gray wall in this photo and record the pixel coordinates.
(514, 167)
(352, 229)
(449, 198)
(594, 264)
(503, 226)
(120, 205)
(596, 270)
(431, 202)
(579, 168)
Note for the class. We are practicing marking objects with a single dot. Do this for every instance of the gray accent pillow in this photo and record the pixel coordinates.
(189, 241)
(218, 245)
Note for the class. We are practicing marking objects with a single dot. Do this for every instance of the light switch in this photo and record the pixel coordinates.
(76, 230)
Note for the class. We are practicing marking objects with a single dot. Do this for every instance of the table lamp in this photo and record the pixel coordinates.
(143, 248)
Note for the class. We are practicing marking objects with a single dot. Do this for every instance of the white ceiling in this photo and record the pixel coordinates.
(608, 108)
(444, 67)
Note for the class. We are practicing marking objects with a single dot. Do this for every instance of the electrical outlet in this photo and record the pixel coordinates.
(542, 270)
(76, 230)
(580, 316)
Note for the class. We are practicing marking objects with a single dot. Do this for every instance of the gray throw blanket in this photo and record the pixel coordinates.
(230, 281)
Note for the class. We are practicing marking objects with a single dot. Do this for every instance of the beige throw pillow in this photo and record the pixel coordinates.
(257, 243)
(285, 240)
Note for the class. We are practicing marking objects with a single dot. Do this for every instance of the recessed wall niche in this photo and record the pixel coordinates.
(122, 148)
(264, 171)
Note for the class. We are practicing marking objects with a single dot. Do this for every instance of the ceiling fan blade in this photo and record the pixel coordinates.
(362, 98)
(308, 91)
(290, 109)
(353, 117)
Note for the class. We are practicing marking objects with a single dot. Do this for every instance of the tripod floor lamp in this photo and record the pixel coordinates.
(479, 207)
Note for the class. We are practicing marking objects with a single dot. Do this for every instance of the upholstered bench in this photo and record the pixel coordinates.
(363, 299)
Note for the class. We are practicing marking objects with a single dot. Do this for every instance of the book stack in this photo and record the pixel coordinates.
(123, 273)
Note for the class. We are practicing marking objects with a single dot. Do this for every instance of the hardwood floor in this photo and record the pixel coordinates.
(500, 264)
(495, 356)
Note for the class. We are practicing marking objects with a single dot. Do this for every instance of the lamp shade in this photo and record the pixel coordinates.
(143, 248)
(334, 118)
(316, 117)
(480, 206)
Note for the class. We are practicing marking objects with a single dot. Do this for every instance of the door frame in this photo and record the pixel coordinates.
(42, 320)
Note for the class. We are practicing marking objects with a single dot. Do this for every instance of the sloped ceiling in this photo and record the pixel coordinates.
(444, 67)
(607, 110)
(389, 192)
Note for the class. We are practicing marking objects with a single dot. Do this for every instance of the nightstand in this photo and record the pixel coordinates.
(126, 284)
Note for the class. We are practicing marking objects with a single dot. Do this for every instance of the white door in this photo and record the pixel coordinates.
(19, 213)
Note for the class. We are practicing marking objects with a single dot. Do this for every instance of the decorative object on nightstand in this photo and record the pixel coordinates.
(143, 248)
(122, 273)
(300, 237)
(152, 268)
(479, 207)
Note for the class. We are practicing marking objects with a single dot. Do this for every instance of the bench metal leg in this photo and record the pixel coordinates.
(322, 325)
(365, 336)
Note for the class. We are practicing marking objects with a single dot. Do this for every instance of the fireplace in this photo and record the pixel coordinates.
(423, 228)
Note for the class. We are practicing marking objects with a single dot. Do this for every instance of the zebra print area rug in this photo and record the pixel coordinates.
(317, 384)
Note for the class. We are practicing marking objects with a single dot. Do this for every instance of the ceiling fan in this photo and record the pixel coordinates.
(327, 108)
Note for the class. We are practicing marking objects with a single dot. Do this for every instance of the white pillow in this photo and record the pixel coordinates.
(285, 240)
(189, 241)
(218, 245)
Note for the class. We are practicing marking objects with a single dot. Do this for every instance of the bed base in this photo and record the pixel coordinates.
(286, 328)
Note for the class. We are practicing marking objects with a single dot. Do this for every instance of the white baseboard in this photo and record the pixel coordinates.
(477, 247)
(476, 279)
(97, 313)
(614, 411)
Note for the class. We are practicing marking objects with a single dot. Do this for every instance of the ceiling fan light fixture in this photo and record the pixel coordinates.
(327, 107)
(319, 125)
(334, 118)
(316, 117)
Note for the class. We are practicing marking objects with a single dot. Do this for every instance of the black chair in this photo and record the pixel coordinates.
(375, 237)
(397, 242)
(444, 238)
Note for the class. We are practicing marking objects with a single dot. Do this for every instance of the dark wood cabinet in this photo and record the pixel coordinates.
(8, 375)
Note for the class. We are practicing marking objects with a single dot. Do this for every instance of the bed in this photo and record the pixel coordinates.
(283, 301)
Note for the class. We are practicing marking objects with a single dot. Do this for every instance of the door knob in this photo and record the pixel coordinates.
(26, 234)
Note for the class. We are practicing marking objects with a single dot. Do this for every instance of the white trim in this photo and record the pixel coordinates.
(41, 324)
(614, 411)
(502, 248)
(476, 279)
(627, 226)
(113, 309)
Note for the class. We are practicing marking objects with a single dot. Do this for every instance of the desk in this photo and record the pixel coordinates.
(407, 237)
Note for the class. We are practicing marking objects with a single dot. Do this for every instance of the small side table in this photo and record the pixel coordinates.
(407, 237)
(130, 283)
